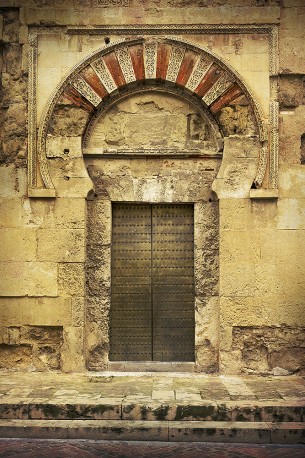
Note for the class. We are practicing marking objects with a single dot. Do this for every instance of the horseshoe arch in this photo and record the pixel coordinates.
(175, 65)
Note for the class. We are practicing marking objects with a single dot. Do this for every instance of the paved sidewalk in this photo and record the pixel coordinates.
(36, 387)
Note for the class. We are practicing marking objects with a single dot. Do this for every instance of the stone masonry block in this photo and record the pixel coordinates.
(78, 311)
(266, 279)
(51, 312)
(61, 213)
(18, 244)
(237, 171)
(13, 182)
(28, 278)
(61, 245)
(70, 213)
(287, 433)
(291, 36)
(237, 279)
(73, 349)
(10, 212)
(23, 34)
(291, 282)
(105, 409)
(243, 311)
(220, 432)
(72, 187)
(291, 128)
(240, 246)
(291, 91)
(234, 214)
(71, 279)
(169, 411)
(67, 168)
(32, 428)
(289, 244)
(292, 181)
(291, 214)
(13, 411)
(284, 308)
(66, 147)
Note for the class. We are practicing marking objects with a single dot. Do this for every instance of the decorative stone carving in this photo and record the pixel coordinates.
(32, 137)
(103, 73)
(274, 143)
(219, 87)
(199, 71)
(262, 166)
(86, 91)
(175, 61)
(111, 3)
(125, 62)
(274, 46)
(170, 29)
(150, 60)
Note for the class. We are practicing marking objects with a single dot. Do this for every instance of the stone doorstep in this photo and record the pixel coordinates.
(173, 431)
(153, 410)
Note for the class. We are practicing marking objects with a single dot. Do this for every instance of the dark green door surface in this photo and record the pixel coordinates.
(152, 299)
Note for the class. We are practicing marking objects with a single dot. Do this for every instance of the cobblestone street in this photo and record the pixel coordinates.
(115, 449)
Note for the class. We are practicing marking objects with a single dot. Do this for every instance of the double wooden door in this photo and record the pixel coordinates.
(152, 291)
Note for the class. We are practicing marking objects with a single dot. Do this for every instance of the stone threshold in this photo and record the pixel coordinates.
(152, 366)
(183, 431)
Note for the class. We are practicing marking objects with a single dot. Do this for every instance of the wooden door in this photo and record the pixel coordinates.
(152, 305)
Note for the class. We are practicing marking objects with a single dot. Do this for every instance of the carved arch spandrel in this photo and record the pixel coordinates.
(128, 63)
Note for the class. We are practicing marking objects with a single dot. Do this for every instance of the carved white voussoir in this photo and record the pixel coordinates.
(200, 69)
(174, 64)
(150, 60)
(84, 89)
(125, 62)
(217, 89)
(104, 75)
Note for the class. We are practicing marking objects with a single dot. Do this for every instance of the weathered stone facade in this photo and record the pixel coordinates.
(150, 101)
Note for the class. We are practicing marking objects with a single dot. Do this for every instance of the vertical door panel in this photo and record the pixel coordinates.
(130, 315)
(173, 282)
(152, 308)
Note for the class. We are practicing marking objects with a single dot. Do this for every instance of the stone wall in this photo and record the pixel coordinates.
(54, 251)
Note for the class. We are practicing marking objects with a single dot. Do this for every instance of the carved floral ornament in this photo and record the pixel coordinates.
(129, 63)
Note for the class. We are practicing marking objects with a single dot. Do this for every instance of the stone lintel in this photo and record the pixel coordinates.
(41, 193)
(264, 193)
